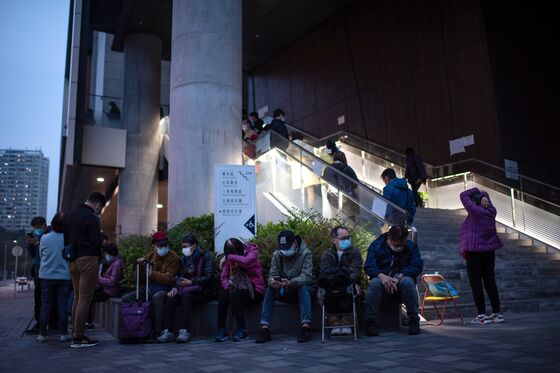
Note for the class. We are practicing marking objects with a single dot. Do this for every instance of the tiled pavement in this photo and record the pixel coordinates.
(526, 342)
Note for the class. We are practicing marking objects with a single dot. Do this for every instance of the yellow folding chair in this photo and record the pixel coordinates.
(436, 289)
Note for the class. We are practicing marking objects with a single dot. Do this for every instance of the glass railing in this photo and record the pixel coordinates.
(299, 179)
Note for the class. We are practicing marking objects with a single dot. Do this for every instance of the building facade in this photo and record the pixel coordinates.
(24, 180)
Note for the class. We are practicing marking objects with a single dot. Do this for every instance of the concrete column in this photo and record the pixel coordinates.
(205, 99)
(138, 193)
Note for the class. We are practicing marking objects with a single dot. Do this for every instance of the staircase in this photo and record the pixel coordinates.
(527, 276)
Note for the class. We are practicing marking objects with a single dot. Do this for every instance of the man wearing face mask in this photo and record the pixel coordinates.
(192, 286)
(342, 264)
(83, 232)
(164, 266)
(39, 227)
(393, 263)
(290, 278)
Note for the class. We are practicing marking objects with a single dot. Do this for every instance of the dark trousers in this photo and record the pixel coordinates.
(54, 292)
(37, 292)
(185, 304)
(99, 295)
(415, 186)
(480, 267)
(236, 299)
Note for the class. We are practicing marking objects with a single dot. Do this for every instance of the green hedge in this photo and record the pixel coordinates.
(311, 226)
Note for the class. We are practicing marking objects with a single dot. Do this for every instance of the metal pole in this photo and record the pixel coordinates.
(5, 259)
(15, 276)
(512, 206)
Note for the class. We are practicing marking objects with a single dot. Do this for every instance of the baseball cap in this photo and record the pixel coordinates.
(286, 239)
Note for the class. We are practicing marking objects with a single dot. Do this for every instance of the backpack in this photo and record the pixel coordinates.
(333, 277)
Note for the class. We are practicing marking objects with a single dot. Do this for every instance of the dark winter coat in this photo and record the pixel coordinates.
(397, 191)
(350, 260)
(478, 231)
(83, 232)
(415, 169)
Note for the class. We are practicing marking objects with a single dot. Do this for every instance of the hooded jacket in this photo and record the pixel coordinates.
(298, 268)
(249, 263)
(382, 259)
(478, 231)
(109, 280)
(397, 191)
(350, 260)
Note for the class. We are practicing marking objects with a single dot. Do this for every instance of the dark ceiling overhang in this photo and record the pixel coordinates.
(269, 26)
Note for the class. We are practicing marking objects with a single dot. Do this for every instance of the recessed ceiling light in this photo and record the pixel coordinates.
(159, 206)
(258, 35)
(100, 179)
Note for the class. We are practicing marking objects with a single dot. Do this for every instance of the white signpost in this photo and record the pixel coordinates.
(17, 251)
(234, 204)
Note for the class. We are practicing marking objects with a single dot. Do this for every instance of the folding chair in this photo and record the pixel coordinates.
(332, 298)
(438, 290)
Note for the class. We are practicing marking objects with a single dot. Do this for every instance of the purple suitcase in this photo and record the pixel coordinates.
(136, 317)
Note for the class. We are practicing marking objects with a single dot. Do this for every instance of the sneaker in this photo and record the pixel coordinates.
(372, 329)
(413, 327)
(345, 331)
(481, 320)
(240, 335)
(497, 318)
(83, 342)
(184, 336)
(165, 336)
(221, 336)
(41, 338)
(336, 331)
(304, 334)
(263, 336)
(63, 337)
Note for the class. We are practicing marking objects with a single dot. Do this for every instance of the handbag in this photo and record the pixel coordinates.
(240, 281)
(68, 253)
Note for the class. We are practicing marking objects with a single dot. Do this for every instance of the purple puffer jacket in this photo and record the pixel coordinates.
(478, 231)
(109, 280)
(249, 263)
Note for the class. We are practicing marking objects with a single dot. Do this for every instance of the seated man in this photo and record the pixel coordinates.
(164, 266)
(291, 276)
(341, 265)
(392, 263)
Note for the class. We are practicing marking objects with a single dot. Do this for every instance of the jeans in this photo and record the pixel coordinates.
(53, 321)
(54, 291)
(480, 267)
(406, 290)
(185, 303)
(304, 298)
(236, 299)
(84, 272)
(158, 300)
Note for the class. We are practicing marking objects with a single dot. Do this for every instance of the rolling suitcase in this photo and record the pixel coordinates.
(136, 317)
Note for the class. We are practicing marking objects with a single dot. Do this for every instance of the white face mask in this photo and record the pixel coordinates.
(187, 251)
(244, 127)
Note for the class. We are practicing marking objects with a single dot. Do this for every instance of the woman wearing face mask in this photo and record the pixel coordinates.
(242, 283)
(249, 138)
(108, 280)
(191, 287)
(344, 260)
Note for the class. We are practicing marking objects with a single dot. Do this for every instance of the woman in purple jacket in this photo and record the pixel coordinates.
(108, 280)
(243, 283)
(478, 241)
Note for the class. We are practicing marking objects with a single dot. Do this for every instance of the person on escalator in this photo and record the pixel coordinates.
(279, 126)
(415, 174)
(344, 184)
(396, 190)
(257, 124)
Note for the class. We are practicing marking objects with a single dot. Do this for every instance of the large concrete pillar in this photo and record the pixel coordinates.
(138, 193)
(206, 99)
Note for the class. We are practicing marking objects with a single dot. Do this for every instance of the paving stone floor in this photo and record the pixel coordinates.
(525, 343)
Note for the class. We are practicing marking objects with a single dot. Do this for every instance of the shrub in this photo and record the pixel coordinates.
(132, 247)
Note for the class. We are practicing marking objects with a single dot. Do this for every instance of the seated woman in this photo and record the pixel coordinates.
(192, 287)
(108, 280)
(242, 283)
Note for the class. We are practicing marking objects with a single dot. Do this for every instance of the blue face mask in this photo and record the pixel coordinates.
(38, 232)
(162, 251)
(345, 244)
(108, 258)
(290, 252)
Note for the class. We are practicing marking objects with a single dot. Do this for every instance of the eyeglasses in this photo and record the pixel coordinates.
(343, 238)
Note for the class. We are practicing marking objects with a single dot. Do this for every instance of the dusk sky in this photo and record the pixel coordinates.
(33, 37)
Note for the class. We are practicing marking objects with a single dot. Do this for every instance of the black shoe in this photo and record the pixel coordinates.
(83, 342)
(372, 329)
(413, 327)
(304, 334)
(264, 336)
